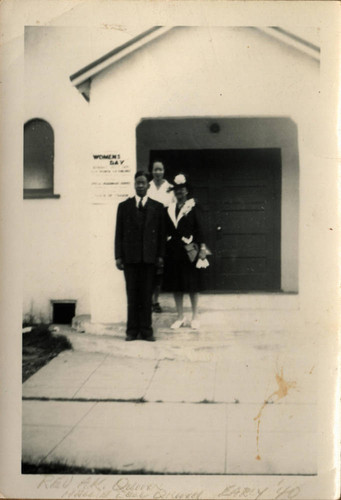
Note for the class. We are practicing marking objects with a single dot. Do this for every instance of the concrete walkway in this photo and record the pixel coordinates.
(184, 404)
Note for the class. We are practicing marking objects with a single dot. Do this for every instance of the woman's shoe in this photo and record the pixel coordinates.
(195, 324)
(177, 324)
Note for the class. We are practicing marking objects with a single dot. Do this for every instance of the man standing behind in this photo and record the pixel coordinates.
(139, 249)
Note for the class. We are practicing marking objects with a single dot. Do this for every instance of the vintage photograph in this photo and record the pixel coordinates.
(179, 251)
(161, 189)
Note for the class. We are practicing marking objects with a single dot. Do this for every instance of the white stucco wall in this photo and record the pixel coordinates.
(56, 245)
(209, 72)
(192, 72)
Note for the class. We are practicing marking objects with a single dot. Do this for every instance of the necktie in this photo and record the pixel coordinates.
(140, 206)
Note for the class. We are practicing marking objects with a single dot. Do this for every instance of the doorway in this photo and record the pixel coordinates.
(239, 191)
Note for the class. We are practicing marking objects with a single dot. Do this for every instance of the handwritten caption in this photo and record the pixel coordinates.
(106, 487)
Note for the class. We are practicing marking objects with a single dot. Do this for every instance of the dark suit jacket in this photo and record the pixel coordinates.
(131, 248)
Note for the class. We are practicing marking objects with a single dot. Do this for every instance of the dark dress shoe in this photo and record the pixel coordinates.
(129, 338)
(157, 308)
(149, 339)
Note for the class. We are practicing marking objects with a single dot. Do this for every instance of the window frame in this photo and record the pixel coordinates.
(39, 193)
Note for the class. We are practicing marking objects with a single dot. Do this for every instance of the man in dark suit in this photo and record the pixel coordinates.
(139, 248)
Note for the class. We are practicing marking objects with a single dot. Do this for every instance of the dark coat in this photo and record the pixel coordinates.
(180, 274)
(136, 243)
(191, 224)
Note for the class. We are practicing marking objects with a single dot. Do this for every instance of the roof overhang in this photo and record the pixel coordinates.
(293, 40)
(82, 78)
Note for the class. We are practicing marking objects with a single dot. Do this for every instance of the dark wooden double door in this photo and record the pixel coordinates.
(240, 194)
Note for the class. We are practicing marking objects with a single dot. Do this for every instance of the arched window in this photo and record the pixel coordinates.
(38, 159)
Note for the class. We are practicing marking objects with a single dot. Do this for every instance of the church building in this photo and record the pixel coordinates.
(231, 107)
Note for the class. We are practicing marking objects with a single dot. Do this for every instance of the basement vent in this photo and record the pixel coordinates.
(63, 311)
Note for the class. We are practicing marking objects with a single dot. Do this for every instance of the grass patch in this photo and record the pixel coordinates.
(85, 400)
(38, 348)
(59, 468)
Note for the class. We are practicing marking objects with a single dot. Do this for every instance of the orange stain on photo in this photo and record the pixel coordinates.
(281, 392)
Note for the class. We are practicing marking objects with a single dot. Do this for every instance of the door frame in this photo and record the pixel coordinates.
(237, 133)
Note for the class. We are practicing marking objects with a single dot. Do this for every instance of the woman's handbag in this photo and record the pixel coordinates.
(192, 250)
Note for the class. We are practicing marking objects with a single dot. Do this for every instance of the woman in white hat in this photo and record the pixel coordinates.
(186, 251)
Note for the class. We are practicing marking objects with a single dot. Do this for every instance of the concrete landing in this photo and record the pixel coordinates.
(218, 313)
(260, 320)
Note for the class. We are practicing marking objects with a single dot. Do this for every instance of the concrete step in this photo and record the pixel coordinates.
(219, 327)
(183, 344)
(217, 321)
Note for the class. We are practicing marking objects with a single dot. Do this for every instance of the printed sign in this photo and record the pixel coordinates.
(111, 178)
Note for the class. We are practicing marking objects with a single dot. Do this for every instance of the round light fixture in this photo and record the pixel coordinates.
(215, 128)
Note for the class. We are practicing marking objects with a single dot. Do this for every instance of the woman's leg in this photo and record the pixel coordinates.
(178, 297)
(194, 302)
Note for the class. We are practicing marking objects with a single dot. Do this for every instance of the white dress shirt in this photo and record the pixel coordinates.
(138, 198)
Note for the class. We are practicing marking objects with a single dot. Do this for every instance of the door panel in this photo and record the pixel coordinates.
(243, 222)
(243, 265)
(243, 245)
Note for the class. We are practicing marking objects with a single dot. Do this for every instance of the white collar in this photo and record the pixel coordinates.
(163, 183)
(138, 198)
(184, 209)
(171, 213)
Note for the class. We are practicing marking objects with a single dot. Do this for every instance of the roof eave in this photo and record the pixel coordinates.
(82, 78)
(292, 40)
